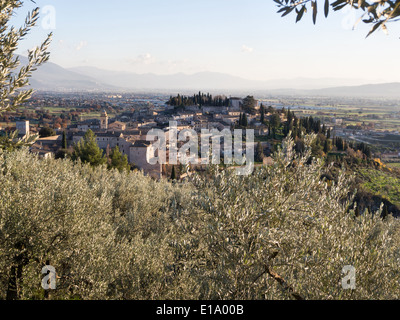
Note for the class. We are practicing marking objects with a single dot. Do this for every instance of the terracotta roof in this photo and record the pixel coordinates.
(141, 144)
(118, 123)
(53, 138)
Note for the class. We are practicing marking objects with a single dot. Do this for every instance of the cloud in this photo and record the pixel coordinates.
(247, 49)
(81, 45)
(143, 59)
(147, 63)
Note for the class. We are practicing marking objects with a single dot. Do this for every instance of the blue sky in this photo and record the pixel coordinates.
(243, 38)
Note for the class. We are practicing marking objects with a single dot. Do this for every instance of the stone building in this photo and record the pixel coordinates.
(104, 120)
(23, 128)
(139, 152)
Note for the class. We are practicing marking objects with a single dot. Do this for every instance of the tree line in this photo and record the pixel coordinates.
(199, 99)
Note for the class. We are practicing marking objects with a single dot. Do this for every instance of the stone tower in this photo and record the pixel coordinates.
(104, 120)
(23, 128)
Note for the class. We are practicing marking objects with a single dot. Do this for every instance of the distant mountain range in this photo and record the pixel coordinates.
(52, 77)
(389, 90)
(204, 81)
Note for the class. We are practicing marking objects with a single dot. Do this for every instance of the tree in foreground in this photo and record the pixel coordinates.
(118, 160)
(12, 78)
(282, 233)
(376, 13)
(88, 151)
(287, 233)
(11, 141)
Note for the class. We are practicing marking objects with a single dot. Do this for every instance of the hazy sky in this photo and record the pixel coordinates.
(243, 38)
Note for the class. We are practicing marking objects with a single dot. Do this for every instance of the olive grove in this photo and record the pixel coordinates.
(284, 232)
(281, 233)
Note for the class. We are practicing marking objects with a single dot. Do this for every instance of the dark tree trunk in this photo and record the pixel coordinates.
(15, 277)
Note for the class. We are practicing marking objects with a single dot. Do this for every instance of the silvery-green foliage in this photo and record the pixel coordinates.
(144, 212)
(286, 233)
(50, 215)
(103, 231)
(281, 233)
(13, 78)
(377, 13)
(11, 141)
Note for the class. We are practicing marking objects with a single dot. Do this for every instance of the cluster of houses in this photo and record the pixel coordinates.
(130, 135)
(130, 141)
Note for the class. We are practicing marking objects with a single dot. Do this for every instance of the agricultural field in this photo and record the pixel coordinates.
(382, 183)
(382, 115)
(394, 165)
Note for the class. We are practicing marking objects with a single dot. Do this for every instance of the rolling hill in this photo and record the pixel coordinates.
(52, 77)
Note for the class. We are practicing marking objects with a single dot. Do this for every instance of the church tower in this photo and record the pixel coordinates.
(104, 120)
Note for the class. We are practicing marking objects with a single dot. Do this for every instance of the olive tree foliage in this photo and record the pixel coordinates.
(14, 78)
(51, 219)
(10, 141)
(63, 214)
(281, 233)
(377, 13)
(104, 232)
(11, 82)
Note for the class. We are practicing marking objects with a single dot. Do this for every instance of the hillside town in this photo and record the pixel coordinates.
(128, 130)
(128, 121)
(191, 167)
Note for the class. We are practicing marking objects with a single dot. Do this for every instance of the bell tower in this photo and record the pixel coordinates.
(104, 120)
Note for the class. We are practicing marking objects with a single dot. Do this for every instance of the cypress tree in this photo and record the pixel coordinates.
(88, 151)
(245, 122)
(326, 146)
(259, 153)
(118, 160)
(262, 114)
(173, 174)
(64, 141)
